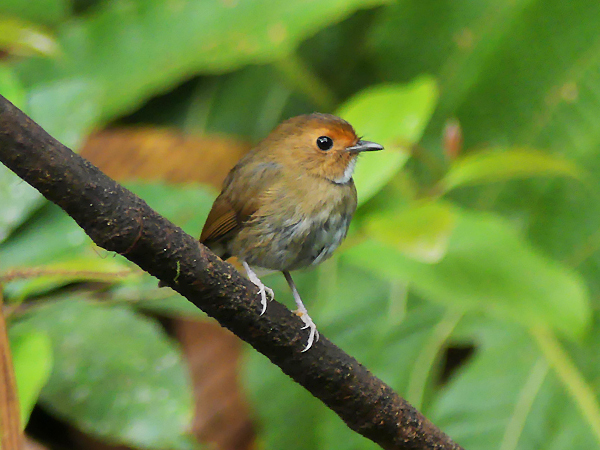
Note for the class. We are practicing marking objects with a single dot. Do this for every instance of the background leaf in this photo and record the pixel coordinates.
(132, 390)
(395, 116)
(489, 267)
(529, 408)
(11, 88)
(205, 36)
(495, 165)
(421, 231)
(47, 12)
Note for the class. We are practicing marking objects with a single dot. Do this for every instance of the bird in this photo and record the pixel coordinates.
(287, 204)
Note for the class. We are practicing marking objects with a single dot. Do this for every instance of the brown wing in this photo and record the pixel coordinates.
(243, 193)
(221, 220)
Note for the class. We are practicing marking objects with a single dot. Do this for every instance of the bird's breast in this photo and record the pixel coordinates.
(295, 238)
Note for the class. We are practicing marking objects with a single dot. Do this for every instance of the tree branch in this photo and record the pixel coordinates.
(119, 221)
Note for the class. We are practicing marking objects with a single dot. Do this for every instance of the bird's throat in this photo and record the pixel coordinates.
(348, 172)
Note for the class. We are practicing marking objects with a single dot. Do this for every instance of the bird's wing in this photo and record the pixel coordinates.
(238, 201)
(221, 220)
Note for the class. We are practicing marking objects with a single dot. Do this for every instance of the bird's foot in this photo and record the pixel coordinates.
(308, 323)
(262, 290)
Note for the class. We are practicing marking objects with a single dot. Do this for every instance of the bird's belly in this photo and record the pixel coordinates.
(291, 244)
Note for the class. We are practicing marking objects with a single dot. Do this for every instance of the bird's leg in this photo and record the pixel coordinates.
(262, 289)
(302, 312)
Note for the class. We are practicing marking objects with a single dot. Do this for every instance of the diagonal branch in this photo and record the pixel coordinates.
(119, 221)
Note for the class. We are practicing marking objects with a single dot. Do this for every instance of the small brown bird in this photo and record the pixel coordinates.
(287, 204)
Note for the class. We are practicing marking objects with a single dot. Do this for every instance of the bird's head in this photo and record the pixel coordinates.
(320, 145)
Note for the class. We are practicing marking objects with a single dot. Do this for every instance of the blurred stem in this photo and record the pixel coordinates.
(581, 392)
(436, 170)
(397, 302)
(426, 359)
(200, 107)
(10, 426)
(530, 390)
(433, 164)
(273, 107)
(305, 80)
(34, 272)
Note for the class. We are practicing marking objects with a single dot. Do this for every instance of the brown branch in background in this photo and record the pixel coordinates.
(11, 437)
(119, 221)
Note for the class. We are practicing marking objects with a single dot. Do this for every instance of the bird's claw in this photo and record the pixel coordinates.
(264, 291)
(308, 323)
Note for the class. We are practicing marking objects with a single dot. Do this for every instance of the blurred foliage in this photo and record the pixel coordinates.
(492, 245)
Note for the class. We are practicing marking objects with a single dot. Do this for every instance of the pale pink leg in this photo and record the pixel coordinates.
(302, 313)
(262, 289)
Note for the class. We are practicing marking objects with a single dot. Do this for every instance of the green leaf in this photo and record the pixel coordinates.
(496, 165)
(515, 74)
(248, 103)
(32, 362)
(138, 48)
(19, 200)
(395, 116)
(489, 267)
(422, 231)
(374, 170)
(24, 38)
(508, 395)
(66, 109)
(116, 374)
(47, 12)
(186, 206)
(48, 237)
(11, 87)
(275, 411)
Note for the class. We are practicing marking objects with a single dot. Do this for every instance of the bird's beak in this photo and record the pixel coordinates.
(364, 146)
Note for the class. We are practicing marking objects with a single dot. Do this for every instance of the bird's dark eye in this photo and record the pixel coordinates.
(324, 142)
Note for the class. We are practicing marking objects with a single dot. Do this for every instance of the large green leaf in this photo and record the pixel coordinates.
(421, 231)
(394, 116)
(496, 165)
(489, 267)
(138, 48)
(11, 87)
(248, 103)
(116, 374)
(47, 12)
(510, 395)
(67, 109)
(48, 237)
(186, 206)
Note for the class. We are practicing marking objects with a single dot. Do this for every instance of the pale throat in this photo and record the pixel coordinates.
(348, 172)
